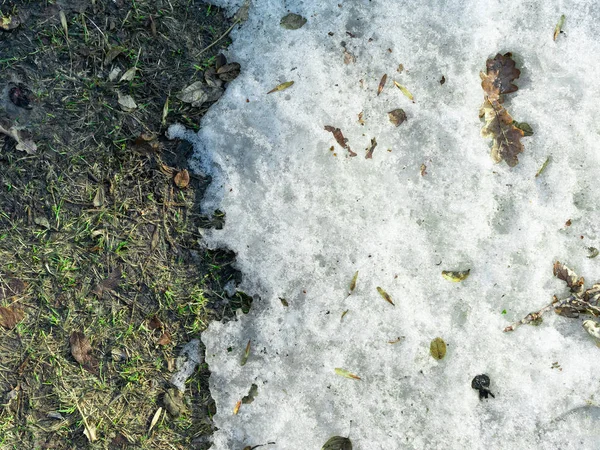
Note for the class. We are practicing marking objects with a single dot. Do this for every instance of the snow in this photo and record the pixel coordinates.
(302, 221)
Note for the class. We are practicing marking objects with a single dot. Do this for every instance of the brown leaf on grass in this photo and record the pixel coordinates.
(339, 138)
(11, 288)
(182, 179)
(82, 351)
(154, 323)
(164, 339)
(109, 284)
(574, 282)
(10, 316)
(371, 149)
(506, 138)
(22, 137)
(229, 72)
(199, 93)
(382, 84)
(146, 143)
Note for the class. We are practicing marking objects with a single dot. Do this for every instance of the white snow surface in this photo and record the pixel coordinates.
(302, 221)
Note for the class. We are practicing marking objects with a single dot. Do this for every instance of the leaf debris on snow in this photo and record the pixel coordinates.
(499, 125)
(281, 87)
(292, 21)
(344, 373)
(558, 27)
(382, 83)
(385, 296)
(580, 301)
(405, 91)
(337, 443)
(456, 276)
(340, 139)
(371, 148)
(397, 116)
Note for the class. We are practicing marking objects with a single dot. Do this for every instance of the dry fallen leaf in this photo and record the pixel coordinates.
(246, 354)
(164, 339)
(385, 296)
(126, 102)
(109, 284)
(154, 323)
(371, 148)
(236, 408)
(437, 348)
(10, 316)
(146, 143)
(63, 22)
(129, 75)
(353, 282)
(82, 351)
(349, 58)
(344, 373)
(8, 22)
(382, 83)
(574, 282)
(90, 432)
(99, 197)
(558, 28)
(339, 138)
(199, 93)
(22, 137)
(182, 179)
(397, 116)
(506, 138)
(292, 21)
(281, 87)
(405, 91)
(423, 170)
(337, 443)
(155, 418)
(456, 276)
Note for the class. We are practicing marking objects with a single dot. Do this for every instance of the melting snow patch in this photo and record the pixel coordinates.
(303, 219)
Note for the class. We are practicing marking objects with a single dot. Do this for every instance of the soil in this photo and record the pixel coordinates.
(103, 272)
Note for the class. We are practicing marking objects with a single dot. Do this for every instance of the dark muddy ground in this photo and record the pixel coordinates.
(100, 238)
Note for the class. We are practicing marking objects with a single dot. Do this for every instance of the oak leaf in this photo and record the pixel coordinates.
(506, 138)
(82, 351)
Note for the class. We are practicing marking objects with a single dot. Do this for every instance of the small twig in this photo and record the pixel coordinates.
(531, 317)
(222, 36)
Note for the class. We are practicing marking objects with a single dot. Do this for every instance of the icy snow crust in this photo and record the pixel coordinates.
(302, 221)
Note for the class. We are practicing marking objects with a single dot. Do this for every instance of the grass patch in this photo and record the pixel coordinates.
(90, 202)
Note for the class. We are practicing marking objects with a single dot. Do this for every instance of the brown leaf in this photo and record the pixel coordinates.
(109, 284)
(423, 170)
(164, 339)
(506, 138)
(82, 351)
(574, 282)
(229, 72)
(182, 179)
(349, 58)
(339, 138)
(499, 77)
(397, 116)
(12, 288)
(10, 317)
(382, 83)
(146, 143)
(371, 148)
(199, 93)
(155, 323)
